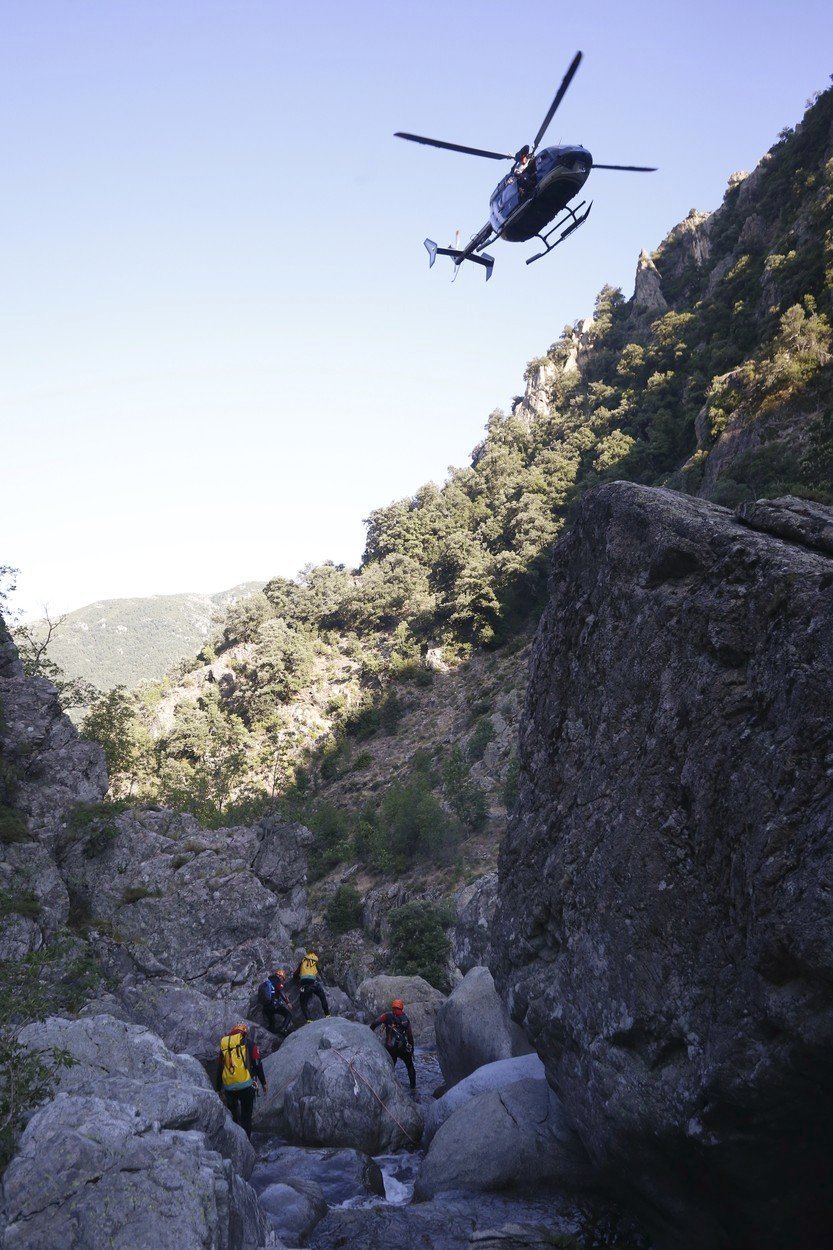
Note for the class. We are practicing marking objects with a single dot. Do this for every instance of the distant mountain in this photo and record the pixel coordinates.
(121, 642)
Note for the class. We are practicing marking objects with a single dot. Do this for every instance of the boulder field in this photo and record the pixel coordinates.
(664, 930)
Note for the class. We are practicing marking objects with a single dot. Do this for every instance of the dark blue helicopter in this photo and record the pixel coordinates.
(537, 190)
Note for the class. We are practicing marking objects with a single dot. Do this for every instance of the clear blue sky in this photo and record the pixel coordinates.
(220, 343)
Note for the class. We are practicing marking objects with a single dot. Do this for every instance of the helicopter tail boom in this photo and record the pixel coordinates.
(458, 255)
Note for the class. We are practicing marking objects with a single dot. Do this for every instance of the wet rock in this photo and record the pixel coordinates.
(342, 1174)
(422, 1002)
(664, 929)
(492, 1076)
(293, 1208)
(471, 937)
(473, 1027)
(530, 1144)
(316, 1099)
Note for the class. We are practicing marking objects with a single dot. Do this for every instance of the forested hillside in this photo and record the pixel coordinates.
(380, 703)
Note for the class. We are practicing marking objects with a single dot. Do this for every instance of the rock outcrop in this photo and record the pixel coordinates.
(664, 929)
(471, 937)
(135, 1150)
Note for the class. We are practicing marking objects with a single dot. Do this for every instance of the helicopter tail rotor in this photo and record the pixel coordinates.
(458, 255)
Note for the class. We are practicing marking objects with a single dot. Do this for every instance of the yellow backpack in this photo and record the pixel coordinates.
(309, 966)
(235, 1057)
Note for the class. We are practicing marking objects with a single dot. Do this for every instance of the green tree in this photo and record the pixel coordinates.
(420, 944)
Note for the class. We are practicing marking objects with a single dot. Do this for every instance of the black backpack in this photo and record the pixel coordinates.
(399, 1031)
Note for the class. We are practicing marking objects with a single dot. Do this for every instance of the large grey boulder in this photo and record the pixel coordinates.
(94, 1174)
(422, 1002)
(185, 1019)
(664, 929)
(473, 1027)
(332, 1084)
(492, 1076)
(471, 936)
(126, 1063)
(530, 1144)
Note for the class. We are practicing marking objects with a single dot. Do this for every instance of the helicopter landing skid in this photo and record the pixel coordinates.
(575, 222)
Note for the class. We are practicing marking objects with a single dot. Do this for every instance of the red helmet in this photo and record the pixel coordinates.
(398, 1004)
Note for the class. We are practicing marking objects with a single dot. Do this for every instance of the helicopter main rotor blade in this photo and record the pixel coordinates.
(633, 169)
(559, 96)
(455, 147)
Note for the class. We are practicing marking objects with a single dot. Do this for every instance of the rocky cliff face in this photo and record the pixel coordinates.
(664, 929)
(181, 922)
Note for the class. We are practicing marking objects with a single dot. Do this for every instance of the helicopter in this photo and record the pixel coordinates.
(535, 194)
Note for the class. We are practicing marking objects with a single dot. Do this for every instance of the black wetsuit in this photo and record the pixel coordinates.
(310, 986)
(278, 1003)
(399, 1040)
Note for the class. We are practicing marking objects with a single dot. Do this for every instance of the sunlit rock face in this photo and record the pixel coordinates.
(664, 930)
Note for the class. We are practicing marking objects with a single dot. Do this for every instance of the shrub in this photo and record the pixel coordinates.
(26, 1075)
(12, 826)
(136, 892)
(419, 942)
(96, 822)
(484, 732)
(415, 823)
(344, 909)
(510, 784)
(391, 712)
(467, 800)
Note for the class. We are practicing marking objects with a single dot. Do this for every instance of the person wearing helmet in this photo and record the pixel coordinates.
(274, 999)
(399, 1037)
(239, 1070)
(309, 979)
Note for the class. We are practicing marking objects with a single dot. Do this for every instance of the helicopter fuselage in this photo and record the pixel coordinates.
(520, 208)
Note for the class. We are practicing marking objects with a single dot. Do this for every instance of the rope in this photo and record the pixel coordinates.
(375, 1095)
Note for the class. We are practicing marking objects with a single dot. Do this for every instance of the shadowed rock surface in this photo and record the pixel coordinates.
(664, 929)
(516, 1137)
(490, 1077)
